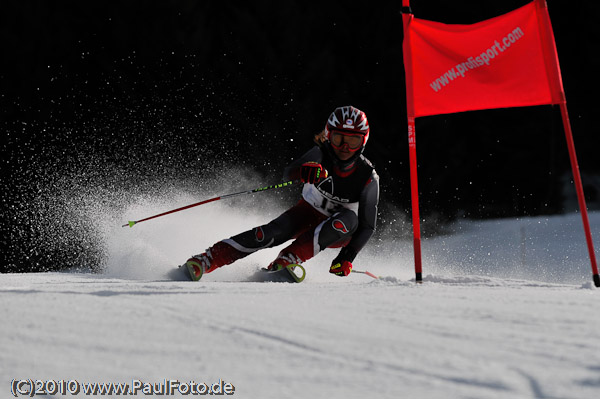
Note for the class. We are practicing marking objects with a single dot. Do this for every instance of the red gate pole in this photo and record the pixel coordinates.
(412, 144)
(580, 195)
(553, 66)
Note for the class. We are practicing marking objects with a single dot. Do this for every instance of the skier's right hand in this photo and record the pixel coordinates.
(341, 268)
(312, 172)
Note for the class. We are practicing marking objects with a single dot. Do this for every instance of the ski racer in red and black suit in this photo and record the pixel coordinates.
(338, 206)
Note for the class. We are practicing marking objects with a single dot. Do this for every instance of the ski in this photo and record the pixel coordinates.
(184, 272)
(288, 274)
(291, 274)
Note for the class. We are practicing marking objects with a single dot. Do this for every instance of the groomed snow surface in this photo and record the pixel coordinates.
(507, 310)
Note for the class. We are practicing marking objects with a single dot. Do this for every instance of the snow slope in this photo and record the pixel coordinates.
(507, 310)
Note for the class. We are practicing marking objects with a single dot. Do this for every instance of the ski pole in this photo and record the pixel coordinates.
(367, 273)
(256, 190)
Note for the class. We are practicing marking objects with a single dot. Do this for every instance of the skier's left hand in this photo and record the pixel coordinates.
(341, 268)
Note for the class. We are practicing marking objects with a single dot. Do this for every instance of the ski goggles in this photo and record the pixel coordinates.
(354, 141)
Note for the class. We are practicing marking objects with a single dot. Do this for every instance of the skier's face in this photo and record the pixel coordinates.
(346, 144)
(350, 140)
(343, 153)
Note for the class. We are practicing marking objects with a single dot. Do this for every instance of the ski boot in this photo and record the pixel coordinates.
(285, 267)
(197, 265)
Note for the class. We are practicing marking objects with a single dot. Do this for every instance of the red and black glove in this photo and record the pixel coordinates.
(312, 172)
(342, 268)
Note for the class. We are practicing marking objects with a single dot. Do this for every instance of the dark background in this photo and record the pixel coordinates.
(102, 102)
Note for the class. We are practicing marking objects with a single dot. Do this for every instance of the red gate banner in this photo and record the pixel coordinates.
(497, 63)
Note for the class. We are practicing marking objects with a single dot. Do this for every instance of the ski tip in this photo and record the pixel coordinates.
(286, 274)
(291, 269)
(130, 224)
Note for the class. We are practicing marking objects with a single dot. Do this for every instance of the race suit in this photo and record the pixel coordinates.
(338, 211)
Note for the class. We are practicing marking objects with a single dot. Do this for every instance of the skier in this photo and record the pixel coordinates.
(338, 206)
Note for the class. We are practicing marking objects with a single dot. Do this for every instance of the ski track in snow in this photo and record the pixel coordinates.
(506, 310)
